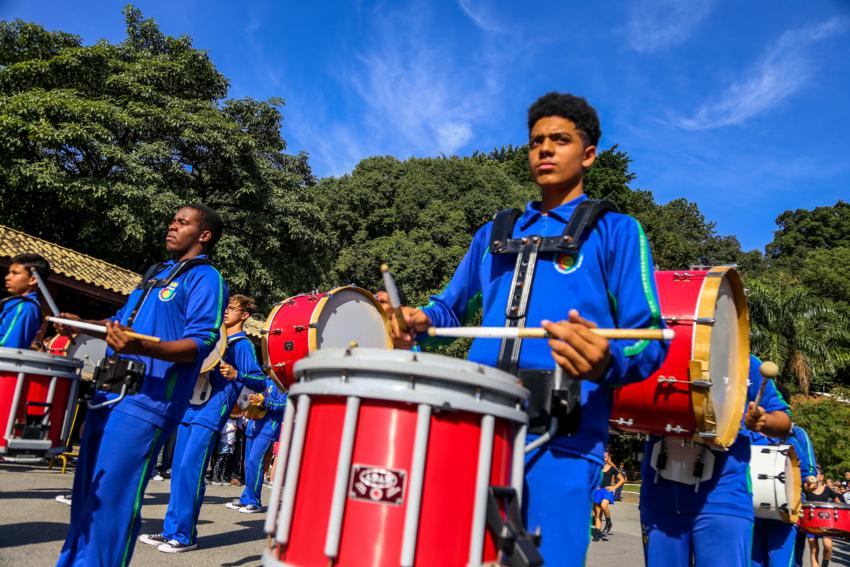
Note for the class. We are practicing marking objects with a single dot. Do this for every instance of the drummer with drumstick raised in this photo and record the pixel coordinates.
(181, 302)
(209, 408)
(20, 312)
(569, 264)
(704, 516)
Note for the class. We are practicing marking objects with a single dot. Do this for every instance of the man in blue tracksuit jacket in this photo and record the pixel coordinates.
(20, 313)
(775, 542)
(710, 524)
(118, 443)
(210, 406)
(609, 283)
(261, 435)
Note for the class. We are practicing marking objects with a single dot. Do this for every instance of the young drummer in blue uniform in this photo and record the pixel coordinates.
(608, 283)
(119, 443)
(775, 542)
(709, 523)
(214, 397)
(260, 436)
(20, 313)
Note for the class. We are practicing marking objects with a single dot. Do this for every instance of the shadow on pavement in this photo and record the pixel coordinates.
(30, 533)
(252, 532)
(244, 561)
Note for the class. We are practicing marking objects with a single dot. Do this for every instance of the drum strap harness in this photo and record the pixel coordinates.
(125, 376)
(555, 402)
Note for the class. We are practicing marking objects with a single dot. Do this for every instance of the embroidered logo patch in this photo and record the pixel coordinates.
(567, 263)
(168, 293)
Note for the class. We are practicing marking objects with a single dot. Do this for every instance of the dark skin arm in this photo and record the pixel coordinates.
(582, 354)
(773, 424)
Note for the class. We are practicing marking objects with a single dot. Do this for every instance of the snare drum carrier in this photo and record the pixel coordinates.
(125, 376)
(554, 406)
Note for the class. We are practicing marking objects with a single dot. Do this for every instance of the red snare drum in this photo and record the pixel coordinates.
(701, 388)
(391, 460)
(305, 323)
(34, 394)
(826, 519)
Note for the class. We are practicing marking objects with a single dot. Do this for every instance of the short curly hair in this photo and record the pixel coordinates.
(573, 108)
(244, 303)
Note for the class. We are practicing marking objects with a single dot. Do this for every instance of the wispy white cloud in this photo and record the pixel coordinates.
(658, 24)
(482, 20)
(781, 72)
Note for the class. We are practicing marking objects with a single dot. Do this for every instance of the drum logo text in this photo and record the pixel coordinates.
(377, 484)
(167, 293)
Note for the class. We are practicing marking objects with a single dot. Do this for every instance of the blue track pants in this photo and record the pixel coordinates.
(114, 468)
(558, 497)
(671, 540)
(773, 543)
(255, 451)
(192, 453)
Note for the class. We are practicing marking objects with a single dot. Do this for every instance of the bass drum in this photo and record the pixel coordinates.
(777, 486)
(826, 519)
(306, 323)
(87, 349)
(701, 388)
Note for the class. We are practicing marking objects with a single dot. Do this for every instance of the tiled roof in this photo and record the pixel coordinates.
(83, 268)
(68, 263)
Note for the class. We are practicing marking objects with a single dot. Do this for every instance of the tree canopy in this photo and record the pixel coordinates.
(100, 144)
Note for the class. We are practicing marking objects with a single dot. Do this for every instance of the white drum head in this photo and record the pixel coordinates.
(89, 350)
(350, 314)
(217, 354)
(723, 356)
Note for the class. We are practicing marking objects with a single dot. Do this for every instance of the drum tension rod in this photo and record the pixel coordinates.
(697, 320)
(694, 383)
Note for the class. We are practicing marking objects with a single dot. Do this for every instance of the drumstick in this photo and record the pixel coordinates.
(768, 371)
(45, 292)
(100, 329)
(540, 333)
(395, 300)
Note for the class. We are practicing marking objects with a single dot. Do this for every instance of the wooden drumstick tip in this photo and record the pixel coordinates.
(385, 268)
(353, 344)
(769, 369)
(432, 332)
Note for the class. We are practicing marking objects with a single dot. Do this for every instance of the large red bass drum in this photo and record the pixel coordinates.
(305, 323)
(701, 388)
(826, 519)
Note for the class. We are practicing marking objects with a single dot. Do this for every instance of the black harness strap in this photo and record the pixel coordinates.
(149, 283)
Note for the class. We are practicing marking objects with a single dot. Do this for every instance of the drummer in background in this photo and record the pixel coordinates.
(775, 542)
(610, 284)
(119, 442)
(260, 435)
(710, 522)
(20, 316)
(814, 490)
(199, 429)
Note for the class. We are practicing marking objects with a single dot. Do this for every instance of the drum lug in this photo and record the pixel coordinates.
(707, 434)
(623, 421)
(669, 428)
(683, 320)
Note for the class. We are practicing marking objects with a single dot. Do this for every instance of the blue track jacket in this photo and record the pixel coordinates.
(269, 425)
(214, 412)
(610, 283)
(192, 307)
(19, 322)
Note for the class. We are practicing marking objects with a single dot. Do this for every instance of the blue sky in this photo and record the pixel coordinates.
(742, 107)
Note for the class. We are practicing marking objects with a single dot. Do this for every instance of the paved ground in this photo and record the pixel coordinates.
(33, 527)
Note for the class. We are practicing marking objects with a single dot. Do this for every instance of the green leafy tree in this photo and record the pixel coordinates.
(806, 336)
(100, 144)
(825, 271)
(802, 230)
(825, 419)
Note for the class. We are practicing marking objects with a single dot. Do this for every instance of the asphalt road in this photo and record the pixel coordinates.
(33, 526)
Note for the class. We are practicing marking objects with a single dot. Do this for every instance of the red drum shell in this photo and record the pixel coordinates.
(384, 435)
(667, 403)
(34, 390)
(294, 328)
(829, 519)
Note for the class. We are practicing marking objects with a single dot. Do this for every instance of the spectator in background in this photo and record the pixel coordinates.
(618, 494)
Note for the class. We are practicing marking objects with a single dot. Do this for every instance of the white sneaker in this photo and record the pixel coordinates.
(251, 509)
(159, 477)
(234, 504)
(153, 539)
(174, 546)
(64, 499)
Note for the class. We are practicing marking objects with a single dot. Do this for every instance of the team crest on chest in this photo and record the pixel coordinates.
(168, 293)
(567, 263)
